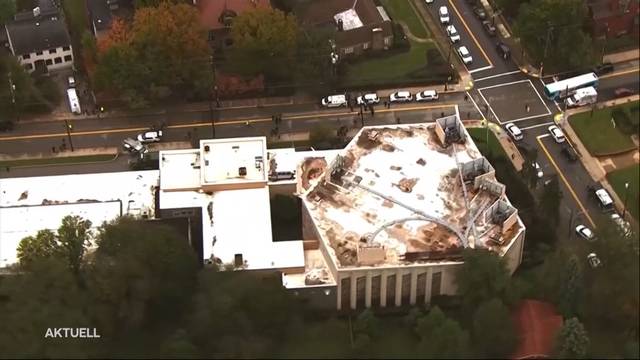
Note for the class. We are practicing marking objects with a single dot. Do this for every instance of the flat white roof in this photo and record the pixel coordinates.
(350, 19)
(28, 205)
(179, 169)
(233, 160)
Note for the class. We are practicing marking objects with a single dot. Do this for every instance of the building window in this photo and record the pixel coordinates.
(436, 283)
(348, 50)
(365, 46)
(26, 56)
(28, 66)
(58, 60)
(49, 62)
(38, 53)
(66, 48)
(67, 58)
(52, 51)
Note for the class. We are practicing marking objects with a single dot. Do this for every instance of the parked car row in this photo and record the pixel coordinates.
(401, 96)
(454, 35)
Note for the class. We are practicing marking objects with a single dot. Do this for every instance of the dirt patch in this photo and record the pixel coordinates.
(369, 139)
(387, 204)
(312, 168)
(421, 162)
(395, 168)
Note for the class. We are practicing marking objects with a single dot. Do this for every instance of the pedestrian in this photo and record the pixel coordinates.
(513, 156)
(442, 114)
(466, 97)
(398, 120)
(388, 104)
(371, 108)
(53, 149)
(8, 169)
(527, 107)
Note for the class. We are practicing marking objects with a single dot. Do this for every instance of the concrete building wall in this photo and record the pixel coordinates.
(513, 256)
(54, 59)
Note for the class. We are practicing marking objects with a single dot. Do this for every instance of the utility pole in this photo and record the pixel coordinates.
(211, 115)
(69, 127)
(626, 194)
(546, 47)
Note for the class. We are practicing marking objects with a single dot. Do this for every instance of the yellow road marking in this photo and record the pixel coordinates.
(218, 123)
(573, 193)
(625, 72)
(470, 33)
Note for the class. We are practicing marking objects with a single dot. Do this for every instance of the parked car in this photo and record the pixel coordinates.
(537, 169)
(623, 92)
(371, 98)
(400, 96)
(593, 260)
(557, 134)
(569, 153)
(488, 26)
(335, 100)
(465, 55)
(453, 34)
(150, 136)
(480, 13)
(602, 198)
(444, 15)
(503, 50)
(428, 1)
(134, 146)
(603, 68)
(514, 131)
(585, 233)
(71, 81)
(427, 95)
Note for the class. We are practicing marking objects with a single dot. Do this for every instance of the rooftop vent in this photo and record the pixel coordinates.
(242, 171)
(206, 148)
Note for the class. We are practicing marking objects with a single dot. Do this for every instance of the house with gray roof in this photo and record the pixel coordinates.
(39, 38)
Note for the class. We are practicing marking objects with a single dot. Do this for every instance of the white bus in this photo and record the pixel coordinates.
(74, 102)
(564, 88)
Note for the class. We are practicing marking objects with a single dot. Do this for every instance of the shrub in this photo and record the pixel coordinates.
(627, 124)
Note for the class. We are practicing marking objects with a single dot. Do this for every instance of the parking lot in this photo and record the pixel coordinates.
(502, 97)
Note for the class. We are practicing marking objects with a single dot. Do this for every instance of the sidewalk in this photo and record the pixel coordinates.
(509, 147)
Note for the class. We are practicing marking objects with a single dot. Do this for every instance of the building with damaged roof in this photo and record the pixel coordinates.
(394, 210)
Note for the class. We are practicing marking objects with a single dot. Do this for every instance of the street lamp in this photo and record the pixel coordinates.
(69, 127)
(626, 194)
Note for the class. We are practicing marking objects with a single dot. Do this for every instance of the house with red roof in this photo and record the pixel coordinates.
(537, 324)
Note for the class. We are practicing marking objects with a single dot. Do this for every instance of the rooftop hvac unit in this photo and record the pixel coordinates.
(242, 171)
(206, 148)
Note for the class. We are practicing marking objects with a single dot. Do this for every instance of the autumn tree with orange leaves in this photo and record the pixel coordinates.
(162, 54)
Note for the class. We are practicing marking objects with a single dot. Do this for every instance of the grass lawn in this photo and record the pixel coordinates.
(390, 68)
(402, 10)
(56, 161)
(631, 175)
(479, 136)
(598, 134)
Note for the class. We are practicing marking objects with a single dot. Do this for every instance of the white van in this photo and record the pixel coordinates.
(74, 102)
(335, 101)
(581, 97)
(604, 200)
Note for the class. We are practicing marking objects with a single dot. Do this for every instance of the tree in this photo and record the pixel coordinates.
(266, 34)
(573, 341)
(550, 201)
(482, 276)
(46, 296)
(154, 3)
(367, 323)
(552, 32)
(179, 346)
(441, 337)
(314, 69)
(140, 273)
(68, 244)
(570, 293)
(493, 332)
(7, 10)
(164, 52)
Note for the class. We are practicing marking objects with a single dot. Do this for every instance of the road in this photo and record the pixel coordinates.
(501, 94)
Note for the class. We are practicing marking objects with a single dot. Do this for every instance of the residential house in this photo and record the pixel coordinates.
(217, 17)
(612, 18)
(39, 38)
(101, 15)
(360, 25)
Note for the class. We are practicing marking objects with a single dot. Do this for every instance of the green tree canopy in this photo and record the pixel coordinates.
(69, 244)
(483, 276)
(573, 341)
(266, 34)
(441, 337)
(555, 29)
(140, 273)
(7, 10)
(493, 331)
(163, 53)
